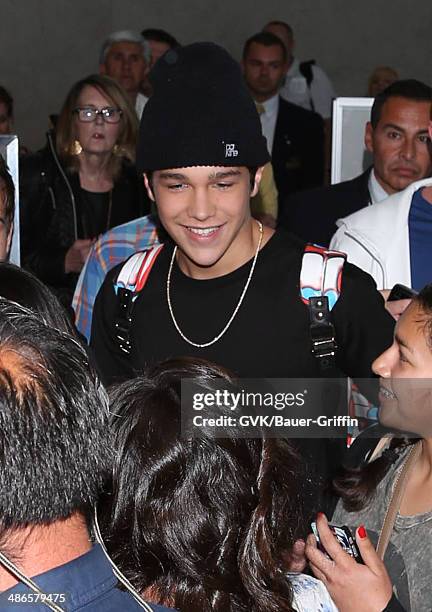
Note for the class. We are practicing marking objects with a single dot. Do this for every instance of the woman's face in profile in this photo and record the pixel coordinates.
(406, 375)
(97, 136)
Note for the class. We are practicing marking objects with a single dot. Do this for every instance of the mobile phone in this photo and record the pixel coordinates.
(345, 538)
(401, 292)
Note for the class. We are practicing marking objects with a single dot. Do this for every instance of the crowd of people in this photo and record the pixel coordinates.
(177, 227)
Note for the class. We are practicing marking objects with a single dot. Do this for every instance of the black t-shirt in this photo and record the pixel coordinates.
(269, 337)
(94, 213)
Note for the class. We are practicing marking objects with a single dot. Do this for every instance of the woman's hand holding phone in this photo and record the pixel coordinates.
(353, 586)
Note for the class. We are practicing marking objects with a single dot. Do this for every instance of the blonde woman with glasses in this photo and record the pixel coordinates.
(81, 184)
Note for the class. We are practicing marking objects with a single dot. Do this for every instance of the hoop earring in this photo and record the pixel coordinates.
(117, 150)
(76, 148)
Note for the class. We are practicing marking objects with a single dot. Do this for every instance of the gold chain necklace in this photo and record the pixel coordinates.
(236, 309)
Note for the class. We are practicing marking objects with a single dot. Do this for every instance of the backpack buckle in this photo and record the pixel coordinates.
(124, 318)
(322, 332)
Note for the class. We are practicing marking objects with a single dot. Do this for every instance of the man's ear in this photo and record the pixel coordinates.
(430, 129)
(149, 187)
(368, 139)
(102, 69)
(257, 181)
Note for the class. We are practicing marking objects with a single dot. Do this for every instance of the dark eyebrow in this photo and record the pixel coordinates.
(224, 174)
(402, 342)
(394, 127)
(172, 175)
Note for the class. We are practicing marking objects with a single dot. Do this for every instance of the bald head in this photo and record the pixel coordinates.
(284, 32)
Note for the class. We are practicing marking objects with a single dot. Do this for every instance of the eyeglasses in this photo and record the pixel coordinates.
(108, 114)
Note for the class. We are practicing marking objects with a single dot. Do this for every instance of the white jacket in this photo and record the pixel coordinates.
(376, 238)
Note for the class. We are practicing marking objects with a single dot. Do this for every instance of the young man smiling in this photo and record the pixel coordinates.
(223, 287)
(206, 212)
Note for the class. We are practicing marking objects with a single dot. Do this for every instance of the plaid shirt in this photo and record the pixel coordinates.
(112, 248)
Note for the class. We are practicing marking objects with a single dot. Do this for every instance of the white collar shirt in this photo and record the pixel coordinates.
(141, 101)
(376, 191)
(268, 119)
(319, 96)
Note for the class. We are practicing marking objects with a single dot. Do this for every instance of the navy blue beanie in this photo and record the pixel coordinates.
(200, 114)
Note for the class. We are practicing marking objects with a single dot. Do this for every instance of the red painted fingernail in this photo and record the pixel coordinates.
(321, 514)
(362, 532)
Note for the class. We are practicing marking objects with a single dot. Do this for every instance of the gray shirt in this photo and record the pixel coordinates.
(408, 558)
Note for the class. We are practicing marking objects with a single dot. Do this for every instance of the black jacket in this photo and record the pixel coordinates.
(312, 214)
(50, 200)
(394, 605)
(298, 149)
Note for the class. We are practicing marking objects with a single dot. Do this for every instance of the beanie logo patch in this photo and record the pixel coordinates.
(230, 150)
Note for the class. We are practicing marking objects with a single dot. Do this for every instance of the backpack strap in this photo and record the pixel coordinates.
(306, 71)
(130, 282)
(399, 485)
(396, 498)
(320, 287)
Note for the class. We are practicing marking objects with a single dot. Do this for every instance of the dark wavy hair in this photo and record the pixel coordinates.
(356, 486)
(18, 285)
(54, 453)
(200, 524)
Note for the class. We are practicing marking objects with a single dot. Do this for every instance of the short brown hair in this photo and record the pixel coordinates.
(65, 126)
(267, 39)
(7, 189)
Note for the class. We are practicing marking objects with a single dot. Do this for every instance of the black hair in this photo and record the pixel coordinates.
(203, 523)
(410, 89)
(19, 285)
(356, 486)
(7, 189)
(268, 40)
(7, 100)
(54, 451)
(160, 36)
(424, 301)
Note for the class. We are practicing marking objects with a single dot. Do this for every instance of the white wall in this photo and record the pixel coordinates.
(46, 45)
